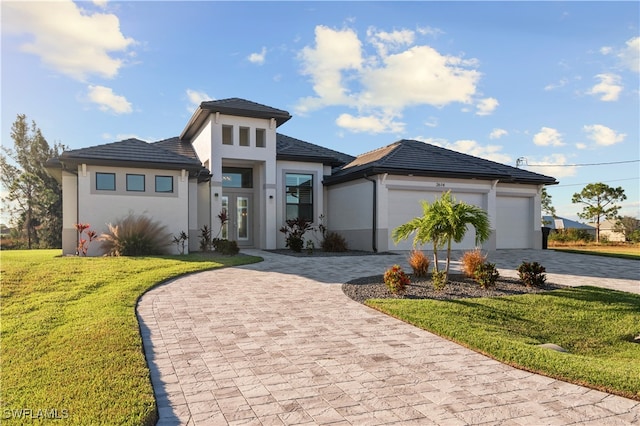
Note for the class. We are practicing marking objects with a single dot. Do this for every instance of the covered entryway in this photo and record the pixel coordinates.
(239, 210)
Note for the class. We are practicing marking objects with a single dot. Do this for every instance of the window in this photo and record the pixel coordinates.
(227, 135)
(261, 139)
(299, 191)
(135, 183)
(237, 177)
(164, 183)
(244, 136)
(106, 181)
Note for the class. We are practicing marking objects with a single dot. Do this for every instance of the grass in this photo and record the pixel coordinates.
(595, 325)
(70, 336)
(628, 251)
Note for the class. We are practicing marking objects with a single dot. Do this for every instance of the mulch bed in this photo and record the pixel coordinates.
(458, 287)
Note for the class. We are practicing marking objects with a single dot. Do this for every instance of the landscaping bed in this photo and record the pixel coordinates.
(458, 287)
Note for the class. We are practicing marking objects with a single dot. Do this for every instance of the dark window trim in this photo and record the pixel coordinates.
(156, 182)
(144, 182)
(312, 204)
(106, 189)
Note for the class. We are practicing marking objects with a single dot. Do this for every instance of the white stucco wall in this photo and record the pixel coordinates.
(99, 208)
(350, 213)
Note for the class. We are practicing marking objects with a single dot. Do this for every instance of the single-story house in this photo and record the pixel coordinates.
(560, 223)
(230, 157)
(609, 232)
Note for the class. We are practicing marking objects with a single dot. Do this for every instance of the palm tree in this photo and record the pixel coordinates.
(444, 221)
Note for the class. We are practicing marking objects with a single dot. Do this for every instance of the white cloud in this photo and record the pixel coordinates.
(548, 136)
(630, 54)
(609, 87)
(109, 101)
(606, 50)
(369, 124)
(196, 98)
(435, 32)
(431, 122)
(393, 41)
(395, 74)
(552, 86)
(471, 147)
(486, 106)
(549, 166)
(603, 135)
(497, 133)
(68, 39)
(581, 145)
(258, 58)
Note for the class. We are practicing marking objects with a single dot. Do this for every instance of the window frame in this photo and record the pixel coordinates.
(105, 174)
(261, 138)
(310, 206)
(244, 136)
(229, 128)
(156, 184)
(144, 182)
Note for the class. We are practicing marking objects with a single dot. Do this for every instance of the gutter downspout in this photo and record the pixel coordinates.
(374, 226)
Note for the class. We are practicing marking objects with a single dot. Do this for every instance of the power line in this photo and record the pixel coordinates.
(523, 161)
(587, 183)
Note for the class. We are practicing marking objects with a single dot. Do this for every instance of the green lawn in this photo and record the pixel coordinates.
(70, 336)
(595, 325)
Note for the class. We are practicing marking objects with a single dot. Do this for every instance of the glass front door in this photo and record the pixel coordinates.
(239, 225)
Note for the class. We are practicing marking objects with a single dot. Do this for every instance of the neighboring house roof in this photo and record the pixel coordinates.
(410, 157)
(232, 106)
(288, 148)
(132, 153)
(563, 223)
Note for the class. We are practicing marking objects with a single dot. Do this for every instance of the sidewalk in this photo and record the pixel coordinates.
(272, 343)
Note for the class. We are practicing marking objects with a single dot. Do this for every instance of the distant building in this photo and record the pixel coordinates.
(561, 223)
(607, 231)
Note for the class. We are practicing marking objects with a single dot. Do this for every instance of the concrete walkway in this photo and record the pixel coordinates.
(271, 344)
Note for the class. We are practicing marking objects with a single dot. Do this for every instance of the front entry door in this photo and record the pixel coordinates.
(239, 226)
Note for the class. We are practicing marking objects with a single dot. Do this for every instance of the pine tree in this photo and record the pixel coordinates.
(34, 198)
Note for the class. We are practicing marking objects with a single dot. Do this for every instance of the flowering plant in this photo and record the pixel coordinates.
(83, 243)
(395, 279)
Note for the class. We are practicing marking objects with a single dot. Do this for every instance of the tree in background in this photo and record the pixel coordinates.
(547, 208)
(630, 227)
(34, 198)
(599, 200)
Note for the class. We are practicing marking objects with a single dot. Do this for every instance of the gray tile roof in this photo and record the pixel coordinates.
(245, 108)
(177, 146)
(410, 157)
(131, 152)
(563, 223)
(288, 148)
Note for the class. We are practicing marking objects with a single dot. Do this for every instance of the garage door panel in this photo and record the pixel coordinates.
(514, 228)
(405, 205)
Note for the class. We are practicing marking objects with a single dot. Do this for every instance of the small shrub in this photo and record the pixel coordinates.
(395, 279)
(486, 275)
(83, 243)
(532, 274)
(294, 230)
(471, 260)
(228, 247)
(419, 263)
(439, 279)
(205, 238)
(180, 241)
(334, 242)
(310, 246)
(135, 236)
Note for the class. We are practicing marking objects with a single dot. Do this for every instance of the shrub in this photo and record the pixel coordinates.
(439, 279)
(294, 230)
(180, 241)
(334, 242)
(419, 263)
(205, 238)
(471, 260)
(135, 236)
(395, 279)
(228, 247)
(486, 275)
(532, 274)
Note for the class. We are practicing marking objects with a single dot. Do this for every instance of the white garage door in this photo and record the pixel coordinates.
(404, 205)
(514, 229)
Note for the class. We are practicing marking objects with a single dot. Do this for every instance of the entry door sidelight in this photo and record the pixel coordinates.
(239, 212)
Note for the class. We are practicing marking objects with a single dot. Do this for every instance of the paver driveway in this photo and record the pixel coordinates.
(272, 343)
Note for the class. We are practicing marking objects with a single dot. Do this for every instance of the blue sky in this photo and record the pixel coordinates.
(554, 84)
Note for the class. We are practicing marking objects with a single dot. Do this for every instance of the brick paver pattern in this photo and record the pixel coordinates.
(278, 343)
